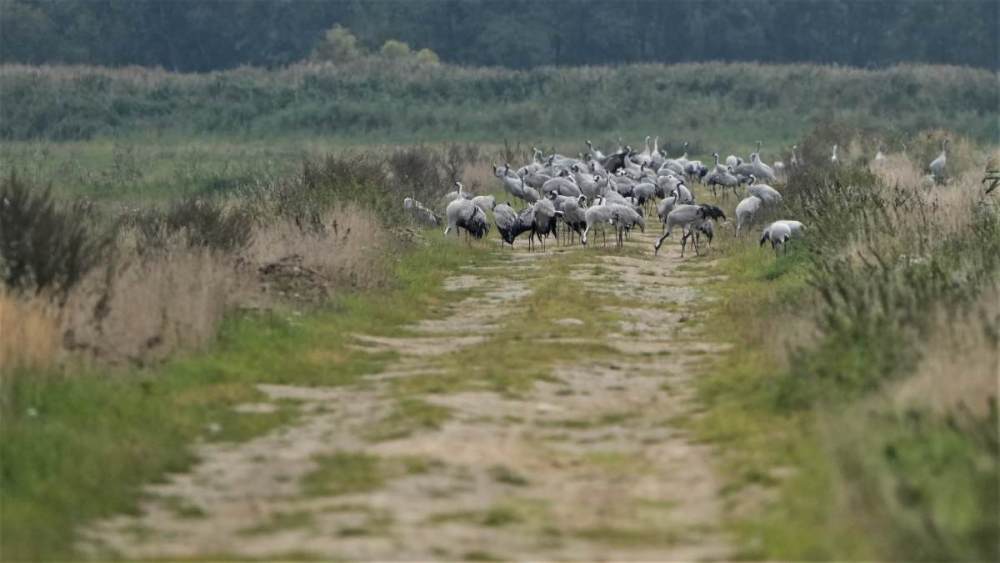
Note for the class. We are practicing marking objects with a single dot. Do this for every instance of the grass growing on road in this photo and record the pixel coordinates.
(515, 356)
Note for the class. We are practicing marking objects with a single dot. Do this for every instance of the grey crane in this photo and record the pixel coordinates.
(760, 169)
(688, 217)
(420, 213)
(797, 229)
(510, 224)
(544, 220)
(484, 202)
(597, 216)
(573, 212)
(594, 153)
(562, 185)
(879, 159)
(937, 166)
(625, 218)
(745, 212)
(665, 206)
(766, 193)
(778, 234)
(795, 161)
(721, 176)
(462, 213)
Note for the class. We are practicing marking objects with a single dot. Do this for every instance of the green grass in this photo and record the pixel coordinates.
(182, 508)
(343, 473)
(158, 168)
(279, 522)
(409, 415)
(530, 321)
(754, 438)
(506, 475)
(77, 447)
(626, 537)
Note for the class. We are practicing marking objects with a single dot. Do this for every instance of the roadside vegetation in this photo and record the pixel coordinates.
(130, 333)
(860, 403)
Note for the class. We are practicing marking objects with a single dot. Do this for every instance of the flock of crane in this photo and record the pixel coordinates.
(589, 194)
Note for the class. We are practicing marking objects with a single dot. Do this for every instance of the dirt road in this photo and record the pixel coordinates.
(509, 427)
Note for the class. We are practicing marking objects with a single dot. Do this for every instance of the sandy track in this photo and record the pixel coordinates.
(587, 464)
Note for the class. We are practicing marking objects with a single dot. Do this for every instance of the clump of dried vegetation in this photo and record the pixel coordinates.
(84, 279)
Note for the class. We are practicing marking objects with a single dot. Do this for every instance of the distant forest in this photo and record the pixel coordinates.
(203, 35)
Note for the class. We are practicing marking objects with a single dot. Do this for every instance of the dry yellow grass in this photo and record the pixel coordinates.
(951, 203)
(29, 333)
(142, 310)
(348, 253)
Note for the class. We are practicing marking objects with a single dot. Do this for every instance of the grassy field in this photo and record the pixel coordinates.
(857, 410)
(843, 458)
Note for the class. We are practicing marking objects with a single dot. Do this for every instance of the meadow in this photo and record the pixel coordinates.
(234, 228)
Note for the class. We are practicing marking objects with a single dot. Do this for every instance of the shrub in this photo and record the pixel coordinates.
(427, 57)
(395, 50)
(335, 179)
(44, 245)
(199, 223)
(338, 45)
(208, 224)
(419, 173)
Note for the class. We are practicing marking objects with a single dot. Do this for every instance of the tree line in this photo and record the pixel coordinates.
(194, 35)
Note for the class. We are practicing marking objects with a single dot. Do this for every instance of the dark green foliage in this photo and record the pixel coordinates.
(44, 245)
(192, 35)
(359, 179)
(203, 223)
(419, 172)
(206, 223)
(711, 105)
